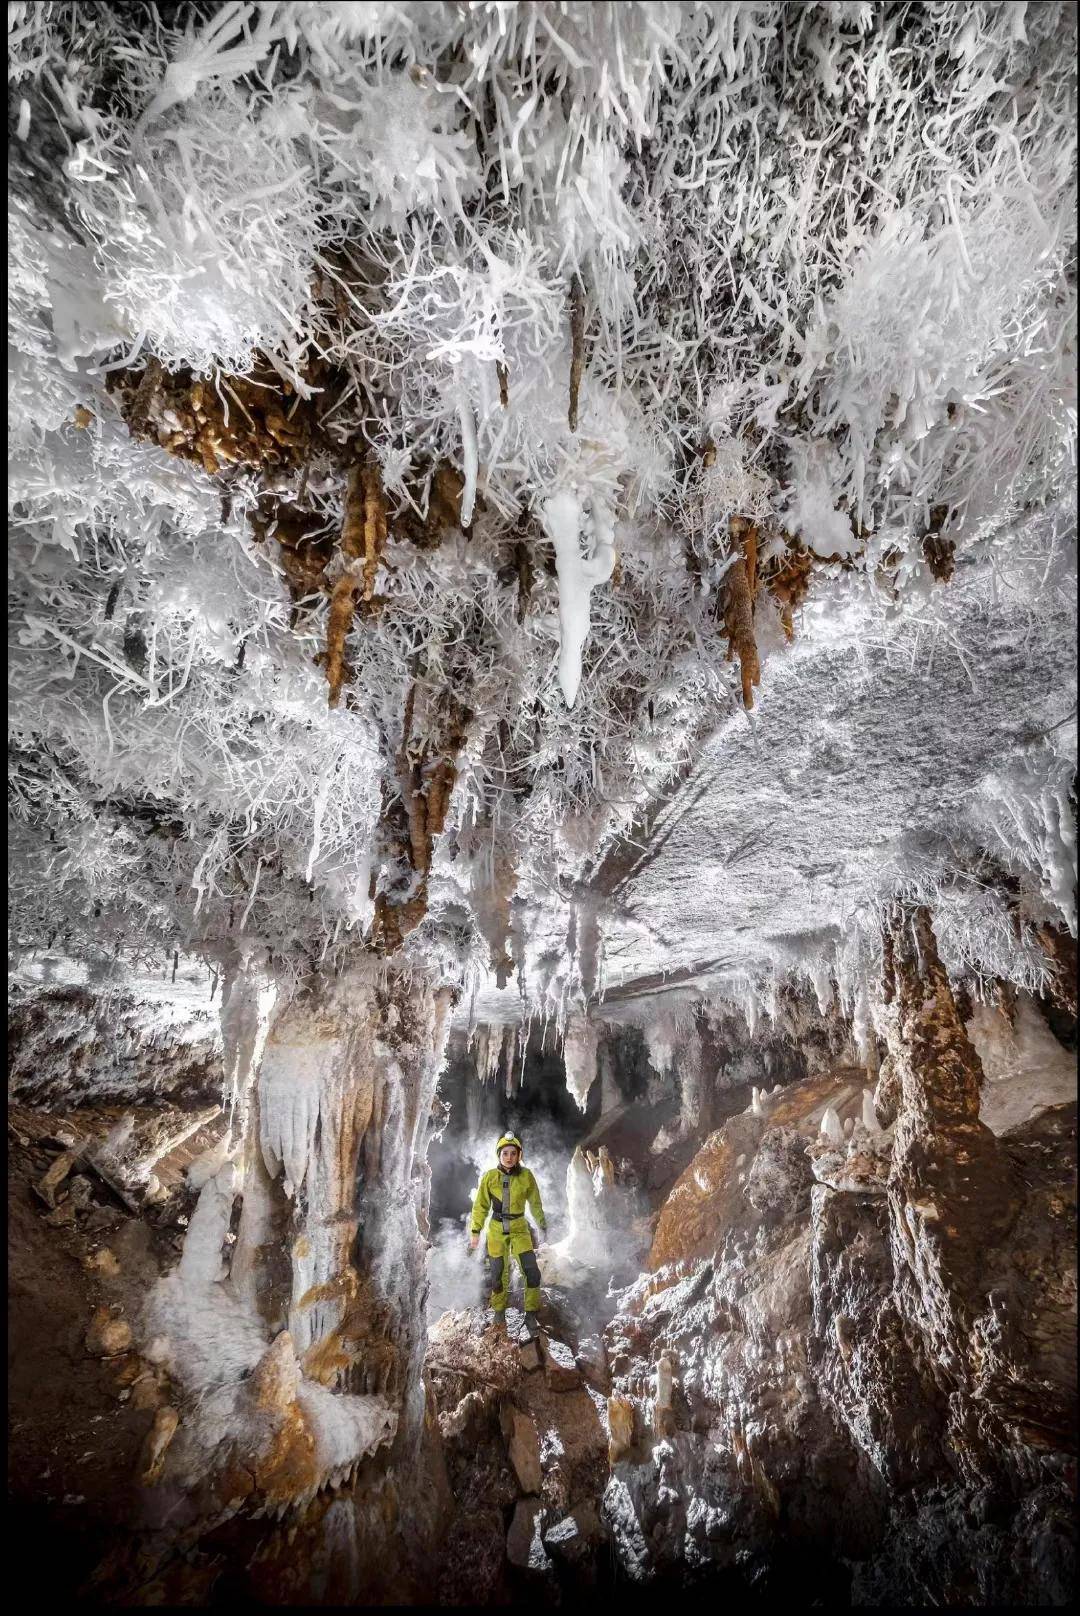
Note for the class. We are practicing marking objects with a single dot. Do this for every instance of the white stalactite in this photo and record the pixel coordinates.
(580, 1046)
(578, 576)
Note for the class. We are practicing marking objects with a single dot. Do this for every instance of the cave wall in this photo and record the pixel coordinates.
(867, 1299)
(81, 1042)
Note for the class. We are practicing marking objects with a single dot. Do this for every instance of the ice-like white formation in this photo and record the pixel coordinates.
(580, 1043)
(567, 524)
(867, 353)
(1025, 1068)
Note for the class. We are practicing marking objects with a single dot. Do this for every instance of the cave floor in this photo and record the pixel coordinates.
(75, 1428)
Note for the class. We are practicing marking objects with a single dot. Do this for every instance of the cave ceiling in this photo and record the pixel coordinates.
(578, 513)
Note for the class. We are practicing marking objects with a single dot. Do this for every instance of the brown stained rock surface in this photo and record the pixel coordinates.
(591, 1359)
(156, 1446)
(884, 1370)
(529, 1356)
(709, 1196)
(620, 1414)
(574, 1538)
(164, 1139)
(506, 1431)
(108, 1335)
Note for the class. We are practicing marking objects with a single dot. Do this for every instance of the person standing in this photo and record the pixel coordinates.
(501, 1197)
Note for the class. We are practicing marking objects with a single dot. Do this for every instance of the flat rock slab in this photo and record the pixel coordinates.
(573, 1538)
(529, 1353)
(560, 1371)
(524, 1545)
(524, 1450)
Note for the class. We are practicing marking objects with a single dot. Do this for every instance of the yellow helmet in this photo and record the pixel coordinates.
(508, 1139)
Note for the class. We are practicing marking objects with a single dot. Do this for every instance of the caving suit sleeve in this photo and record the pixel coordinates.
(532, 1200)
(481, 1205)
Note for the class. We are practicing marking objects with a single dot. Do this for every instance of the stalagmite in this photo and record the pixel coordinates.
(663, 1413)
(869, 1115)
(832, 1128)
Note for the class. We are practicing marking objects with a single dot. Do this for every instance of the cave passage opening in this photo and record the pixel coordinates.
(526, 1095)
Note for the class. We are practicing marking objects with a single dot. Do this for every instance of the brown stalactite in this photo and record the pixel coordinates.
(145, 398)
(343, 601)
(738, 606)
(409, 780)
(494, 917)
(374, 525)
(523, 562)
(787, 580)
(426, 772)
(940, 552)
(353, 521)
(750, 550)
(577, 347)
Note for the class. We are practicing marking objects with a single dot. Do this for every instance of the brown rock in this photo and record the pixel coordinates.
(275, 1380)
(47, 1186)
(524, 1449)
(129, 1370)
(107, 1336)
(156, 1446)
(285, 1465)
(103, 1261)
(574, 1537)
(709, 1196)
(592, 1361)
(620, 1412)
(529, 1354)
(146, 1392)
(524, 1545)
(560, 1371)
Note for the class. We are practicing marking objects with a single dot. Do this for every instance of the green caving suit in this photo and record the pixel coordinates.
(505, 1196)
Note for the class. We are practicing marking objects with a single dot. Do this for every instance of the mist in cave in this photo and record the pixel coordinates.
(542, 601)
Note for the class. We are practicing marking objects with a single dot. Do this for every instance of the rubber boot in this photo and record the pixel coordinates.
(498, 1326)
(532, 1326)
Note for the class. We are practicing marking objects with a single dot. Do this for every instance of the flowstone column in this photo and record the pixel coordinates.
(299, 1348)
(345, 1093)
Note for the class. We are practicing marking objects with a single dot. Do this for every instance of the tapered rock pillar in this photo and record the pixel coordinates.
(951, 1194)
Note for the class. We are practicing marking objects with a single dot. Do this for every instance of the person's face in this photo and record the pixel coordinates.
(508, 1156)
